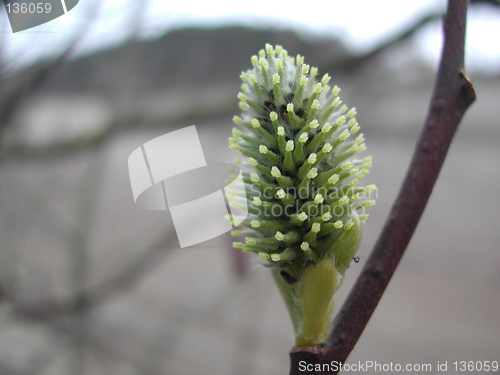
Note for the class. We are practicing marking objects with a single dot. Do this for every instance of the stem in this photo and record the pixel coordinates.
(453, 94)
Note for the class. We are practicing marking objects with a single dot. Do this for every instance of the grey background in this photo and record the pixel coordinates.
(68, 222)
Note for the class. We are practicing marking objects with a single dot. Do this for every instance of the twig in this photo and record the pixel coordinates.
(453, 94)
(16, 89)
(492, 2)
(53, 308)
(353, 62)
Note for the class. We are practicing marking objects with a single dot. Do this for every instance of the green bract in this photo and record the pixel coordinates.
(305, 207)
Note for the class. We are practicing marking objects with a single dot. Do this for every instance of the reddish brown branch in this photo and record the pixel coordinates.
(453, 94)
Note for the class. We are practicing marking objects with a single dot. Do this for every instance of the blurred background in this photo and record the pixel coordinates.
(91, 284)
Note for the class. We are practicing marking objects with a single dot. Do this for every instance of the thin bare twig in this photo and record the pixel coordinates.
(492, 2)
(16, 89)
(354, 62)
(453, 94)
(53, 308)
